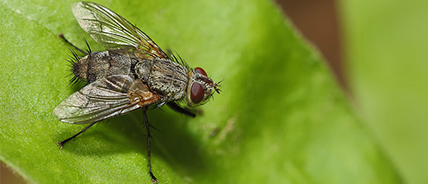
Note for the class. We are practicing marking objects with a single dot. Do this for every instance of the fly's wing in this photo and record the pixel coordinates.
(103, 99)
(113, 31)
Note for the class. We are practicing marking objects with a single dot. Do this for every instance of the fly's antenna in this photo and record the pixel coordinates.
(217, 85)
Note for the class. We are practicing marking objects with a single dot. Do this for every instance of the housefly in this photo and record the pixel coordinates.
(133, 73)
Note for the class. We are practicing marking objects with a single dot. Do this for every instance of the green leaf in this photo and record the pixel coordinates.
(281, 118)
(387, 45)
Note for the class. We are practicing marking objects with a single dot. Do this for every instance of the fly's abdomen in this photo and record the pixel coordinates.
(98, 65)
(163, 76)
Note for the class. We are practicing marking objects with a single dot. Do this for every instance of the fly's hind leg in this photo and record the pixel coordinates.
(149, 136)
(75, 47)
(61, 143)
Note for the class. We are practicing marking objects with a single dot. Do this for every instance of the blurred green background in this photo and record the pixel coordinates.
(376, 51)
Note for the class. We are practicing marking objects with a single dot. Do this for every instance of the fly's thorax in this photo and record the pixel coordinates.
(200, 87)
(97, 65)
(163, 76)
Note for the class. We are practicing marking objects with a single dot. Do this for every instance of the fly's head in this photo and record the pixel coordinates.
(200, 87)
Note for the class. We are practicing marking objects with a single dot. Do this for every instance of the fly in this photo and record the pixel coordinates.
(133, 73)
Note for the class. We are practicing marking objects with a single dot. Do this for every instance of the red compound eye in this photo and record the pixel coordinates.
(200, 71)
(196, 93)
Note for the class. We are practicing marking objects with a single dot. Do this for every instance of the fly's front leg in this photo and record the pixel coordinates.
(149, 136)
(174, 106)
(61, 143)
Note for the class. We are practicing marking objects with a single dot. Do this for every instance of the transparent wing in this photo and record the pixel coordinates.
(113, 31)
(99, 100)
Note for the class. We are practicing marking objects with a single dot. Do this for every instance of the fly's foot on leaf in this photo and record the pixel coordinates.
(60, 144)
(154, 179)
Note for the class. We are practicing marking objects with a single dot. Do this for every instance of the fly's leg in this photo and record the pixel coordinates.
(61, 143)
(149, 136)
(75, 47)
(174, 106)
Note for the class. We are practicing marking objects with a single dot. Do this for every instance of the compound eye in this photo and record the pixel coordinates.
(196, 93)
(200, 71)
